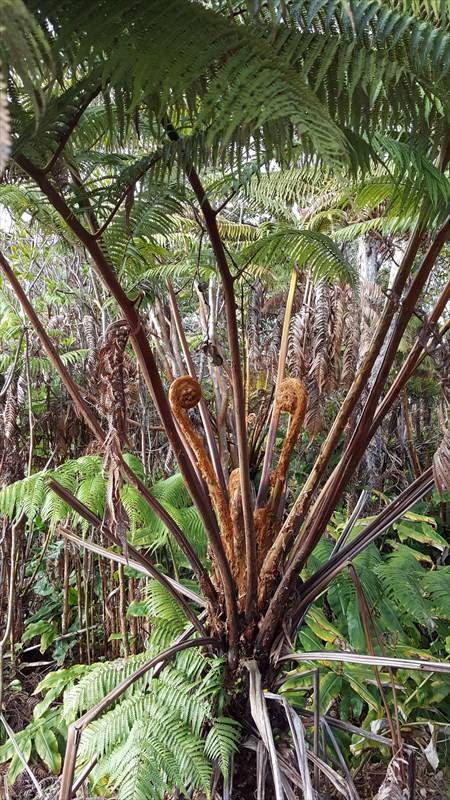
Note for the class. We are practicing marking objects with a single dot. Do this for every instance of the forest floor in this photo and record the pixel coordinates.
(429, 786)
(19, 707)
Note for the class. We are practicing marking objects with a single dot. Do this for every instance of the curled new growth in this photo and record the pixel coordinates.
(291, 398)
(185, 393)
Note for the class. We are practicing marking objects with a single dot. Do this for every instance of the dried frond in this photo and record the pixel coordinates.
(320, 367)
(91, 339)
(10, 413)
(392, 786)
(254, 329)
(90, 332)
(110, 373)
(336, 331)
(371, 301)
(313, 416)
(351, 338)
(5, 132)
(296, 352)
(112, 404)
(277, 303)
(22, 387)
(441, 465)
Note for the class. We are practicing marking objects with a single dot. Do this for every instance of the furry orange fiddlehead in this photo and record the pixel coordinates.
(185, 393)
(291, 398)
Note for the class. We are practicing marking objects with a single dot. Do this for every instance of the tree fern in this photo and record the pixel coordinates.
(208, 53)
(24, 45)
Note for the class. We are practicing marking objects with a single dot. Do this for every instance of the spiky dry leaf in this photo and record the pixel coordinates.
(392, 786)
(441, 465)
(5, 133)
(313, 418)
(10, 413)
(351, 339)
(320, 367)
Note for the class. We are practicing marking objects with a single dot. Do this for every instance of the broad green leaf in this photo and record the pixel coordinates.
(47, 748)
(60, 678)
(329, 688)
(41, 708)
(359, 687)
(421, 532)
(319, 624)
(137, 608)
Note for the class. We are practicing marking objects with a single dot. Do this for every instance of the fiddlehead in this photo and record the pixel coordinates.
(184, 394)
(291, 398)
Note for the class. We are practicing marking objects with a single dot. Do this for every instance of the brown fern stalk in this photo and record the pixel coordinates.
(185, 393)
(237, 518)
(153, 381)
(204, 414)
(291, 399)
(322, 509)
(209, 216)
(265, 475)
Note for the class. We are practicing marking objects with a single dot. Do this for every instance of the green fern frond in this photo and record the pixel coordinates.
(97, 682)
(222, 742)
(301, 248)
(436, 585)
(24, 47)
(401, 576)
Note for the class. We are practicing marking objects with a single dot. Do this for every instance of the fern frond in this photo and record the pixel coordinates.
(401, 576)
(222, 742)
(436, 584)
(300, 247)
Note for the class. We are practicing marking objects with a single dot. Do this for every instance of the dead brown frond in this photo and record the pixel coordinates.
(313, 417)
(351, 338)
(441, 465)
(10, 412)
(336, 332)
(371, 302)
(5, 133)
(392, 787)
(112, 404)
(320, 367)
